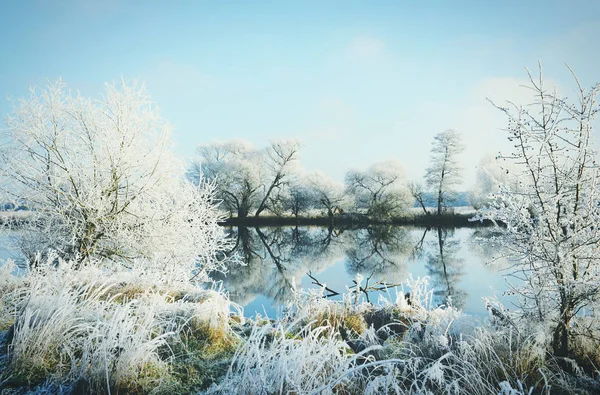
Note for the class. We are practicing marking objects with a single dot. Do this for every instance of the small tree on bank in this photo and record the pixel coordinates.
(101, 181)
(327, 194)
(444, 173)
(552, 221)
(298, 198)
(380, 189)
(417, 191)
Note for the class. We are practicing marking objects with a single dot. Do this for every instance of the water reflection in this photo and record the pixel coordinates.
(381, 250)
(445, 268)
(275, 260)
(278, 260)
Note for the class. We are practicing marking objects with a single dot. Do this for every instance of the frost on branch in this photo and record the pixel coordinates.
(552, 215)
(249, 180)
(444, 173)
(101, 180)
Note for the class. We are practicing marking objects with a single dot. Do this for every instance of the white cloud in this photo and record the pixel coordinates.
(367, 49)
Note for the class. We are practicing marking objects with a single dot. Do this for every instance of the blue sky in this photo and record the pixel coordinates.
(357, 82)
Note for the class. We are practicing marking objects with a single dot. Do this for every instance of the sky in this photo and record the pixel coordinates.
(356, 81)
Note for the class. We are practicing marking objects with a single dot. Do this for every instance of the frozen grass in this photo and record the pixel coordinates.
(91, 330)
(103, 332)
(412, 348)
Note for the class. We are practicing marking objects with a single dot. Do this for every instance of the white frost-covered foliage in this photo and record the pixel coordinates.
(104, 330)
(417, 349)
(444, 173)
(552, 233)
(492, 172)
(102, 181)
(285, 364)
(380, 188)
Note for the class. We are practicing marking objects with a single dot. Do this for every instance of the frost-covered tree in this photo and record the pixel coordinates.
(552, 230)
(101, 181)
(280, 158)
(328, 194)
(235, 166)
(380, 189)
(297, 197)
(248, 180)
(491, 173)
(444, 172)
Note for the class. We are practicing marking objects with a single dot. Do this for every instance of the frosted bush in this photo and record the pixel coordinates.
(102, 181)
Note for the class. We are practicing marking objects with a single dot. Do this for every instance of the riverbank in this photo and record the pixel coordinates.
(177, 338)
(461, 219)
(356, 220)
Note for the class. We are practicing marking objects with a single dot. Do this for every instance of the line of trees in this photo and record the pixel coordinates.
(253, 181)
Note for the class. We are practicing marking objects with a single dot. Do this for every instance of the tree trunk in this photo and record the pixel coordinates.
(330, 216)
(263, 205)
(441, 186)
(242, 212)
(561, 332)
(420, 200)
(561, 340)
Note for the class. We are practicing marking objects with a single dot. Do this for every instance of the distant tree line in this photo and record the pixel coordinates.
(251, 181)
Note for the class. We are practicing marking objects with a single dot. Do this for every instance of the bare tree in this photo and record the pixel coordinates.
(552, 229)
(444, 173)
(238, 171)
(280, 157)
(298, 197)
(417, 191)
(247, 179)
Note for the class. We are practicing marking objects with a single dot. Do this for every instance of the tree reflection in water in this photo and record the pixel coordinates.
(278, 258)
(275, 260)
(381, 250)
(445, 268)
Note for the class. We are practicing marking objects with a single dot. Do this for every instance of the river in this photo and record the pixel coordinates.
(275, 261)
(278, 260)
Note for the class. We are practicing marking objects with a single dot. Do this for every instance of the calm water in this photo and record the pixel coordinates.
(277, 260)
(281, 259)
(8, 250)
